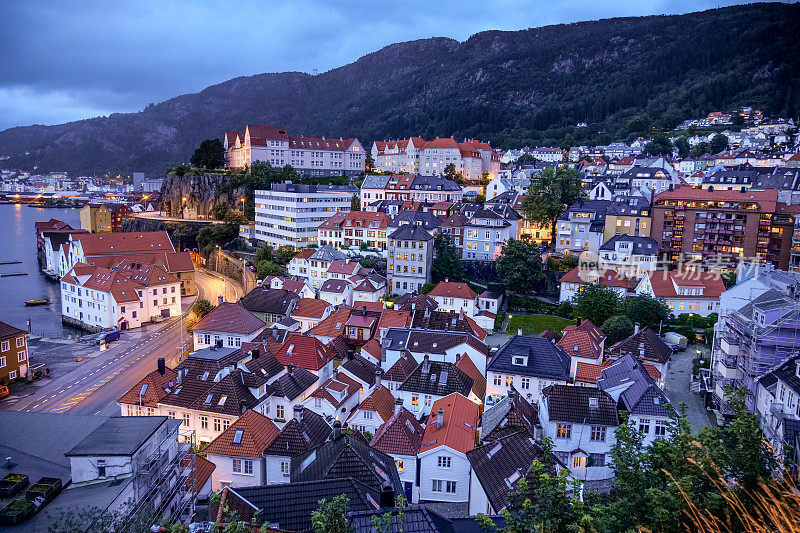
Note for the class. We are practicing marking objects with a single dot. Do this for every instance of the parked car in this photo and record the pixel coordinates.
(108, 336)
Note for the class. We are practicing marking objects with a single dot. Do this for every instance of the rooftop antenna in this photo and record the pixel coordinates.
(315, 72)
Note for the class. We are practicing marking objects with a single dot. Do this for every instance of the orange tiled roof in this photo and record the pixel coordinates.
(453, 289)
(381, 401)
(460, 420)
(310, 308)
(466, 365)
(257, 433)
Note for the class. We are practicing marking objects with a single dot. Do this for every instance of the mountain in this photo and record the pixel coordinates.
(621, 76)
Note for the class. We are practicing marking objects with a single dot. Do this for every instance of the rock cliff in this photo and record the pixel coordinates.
(194, 196)
(183, 234)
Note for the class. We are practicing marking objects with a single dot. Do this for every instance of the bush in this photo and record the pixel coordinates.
(425, 289)
(530, 305)
(498, 322)
(565, 309)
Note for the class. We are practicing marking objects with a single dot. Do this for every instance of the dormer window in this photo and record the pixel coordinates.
(576, 348)
(593, 403)
(519, 360)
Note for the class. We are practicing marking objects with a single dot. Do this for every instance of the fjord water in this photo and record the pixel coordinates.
(18, 243)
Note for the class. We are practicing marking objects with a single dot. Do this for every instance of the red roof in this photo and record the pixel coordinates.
(394, 318)
(153, 393)
(333, 325)
(400, 435)
(586, 336)
(453, 289)
(304, 351)
(458, 431)
(466, 365)
(124, 243)
(203, 468)
(381, 401)
(310, 308)
(607, 277)
(373, 348)
(441, 142)
(260, 134)
(229, 317)
(257, 433)
(342, 385)
(304, 254)
(664, 283)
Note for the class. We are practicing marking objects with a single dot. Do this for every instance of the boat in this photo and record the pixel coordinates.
(35, 302)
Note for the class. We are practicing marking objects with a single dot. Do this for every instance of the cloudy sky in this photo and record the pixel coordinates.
(67, 60)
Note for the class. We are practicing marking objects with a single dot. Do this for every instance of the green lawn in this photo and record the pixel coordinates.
(535, 324)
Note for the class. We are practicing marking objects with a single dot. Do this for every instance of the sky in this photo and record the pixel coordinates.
(68, 60)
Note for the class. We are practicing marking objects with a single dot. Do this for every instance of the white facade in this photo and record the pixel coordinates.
(237, 471)
(206, 339)
(444, 475)
(499, 384)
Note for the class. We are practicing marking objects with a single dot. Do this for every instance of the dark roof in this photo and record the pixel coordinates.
(500, 464)
(419, 302)
(437, 378)
(7, 331)
(641, 394)
(400, 435)
(297, 437)
(119, 435)
(411, 232)
(416, 518)
(293, 384)
(344, 457)
(289, 505)
(402, 368)
(230, 317)
(544, 359)
(261, 369)
(430, 341)
(646, 345)
(512, 413)
(640, 245)
(787, 372)
(572, 404)
(361, 368)
(272, 301)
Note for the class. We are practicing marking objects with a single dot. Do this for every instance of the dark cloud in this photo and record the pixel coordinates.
(69, 60)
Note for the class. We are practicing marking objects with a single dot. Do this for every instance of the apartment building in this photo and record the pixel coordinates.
(581, 227)
(98, 298)
(103, 218)
(290, 213)
(629, 256)
(696, 224)
(429, 158)
(627, 214)
(410, 259)
(354, 229)
(487, 231)
(13, 353)
(307, 155)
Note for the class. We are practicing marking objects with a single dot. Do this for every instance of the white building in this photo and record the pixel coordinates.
(454, 297)
(229, 324)
(684, 291)
(401, 437)
(289, 214)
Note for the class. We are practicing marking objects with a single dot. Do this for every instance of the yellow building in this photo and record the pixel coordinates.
(96, 218)
(628, 214)
(533, 231)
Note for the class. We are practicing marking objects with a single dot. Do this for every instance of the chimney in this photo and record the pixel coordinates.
(636, 328)
(297, 411)
(275, 333)
(426, 364)
(537, 432)
(242, 407)
(180, 375)
(255, 353)
(387, 496)
(580, 321)
(162, 366)
(289, 368)
(446, 280)
(378, 374)
(427, 312)
(398, 405)
(351, 354)
(220, 299)
(336, 374)
(440, 418)
(519, 330)
(337, 429)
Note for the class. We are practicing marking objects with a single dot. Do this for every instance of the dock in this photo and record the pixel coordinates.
(13, 274)
(10, 262)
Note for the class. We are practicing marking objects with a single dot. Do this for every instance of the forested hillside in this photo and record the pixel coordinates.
(621, 76)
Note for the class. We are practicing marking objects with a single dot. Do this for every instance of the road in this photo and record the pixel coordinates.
(94, 386)
(677, 387)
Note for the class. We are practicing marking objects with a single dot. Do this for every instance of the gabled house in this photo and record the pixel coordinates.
(307, 352)
(777, 403)
(430, 381)
(337, 292)
(373, 411)
(509, 415)
(581, 422)
(230, 324)
(288, 391)
(451, 432)
(646, 346)
(528, 364)
(573, 281)
(309, 312)
(335, 398)
(583, 342)
(303, 432)
(401, 437)
(438, 345)
(454, 297)
(237, 452)
(363, 371)
(684, 291)
(270, 305)
(399, 371)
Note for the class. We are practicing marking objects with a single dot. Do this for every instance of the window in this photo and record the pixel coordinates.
(644, 426)
(367, 415)
(225, 424)
(248, 467)
(20, 342)
(498, 379)
(5, 346)
(437, 485)
(217, 425)
(399, 465)
(285, 468)
(443, 461)
(185, 419)
(563, 431)
(415, 400)
(279, 411)
(203, 422)
(526, 383)
(318, 402)
(428, 400)
(578, 462)
(597, 459)
(450, 487)
(660, 429)
(598, 433)
(237, 466)
(21, 356)
(509, 381)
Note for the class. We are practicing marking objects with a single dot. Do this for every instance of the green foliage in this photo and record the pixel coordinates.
(499, 319)
(562, 264)
(565, 309)
(355, 203)
(617, 328)
(596, 303)
(530, 305)
(210, 154)
(682, 146)
(535, 324)
(520, 266)
(284, 254)
(202, 307)
(645, 310)
(264, 253)
(718, 144)
(426, 288)
(451, 173)
(268, 268)
(660, 145)
(699, 149)
(447, 263)
(374, 262)
(549, 194)
(331, 516)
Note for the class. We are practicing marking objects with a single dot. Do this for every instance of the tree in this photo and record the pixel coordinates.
(447, 264)
(210, 154)
(660, 145)
(264, 253)
(699, 149)
(268, 268)
(284, 254)
(331, 516)
(369, 163)
(234, 218)
(524, 158)
(549, 194)
(718, 143)
(682, 146)
(520, 266)
(596, 303)
(644, 309)
(451, 173)
(426, 288)
(737, 120)
(200, 309)
(355, 203)
(617, 328)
